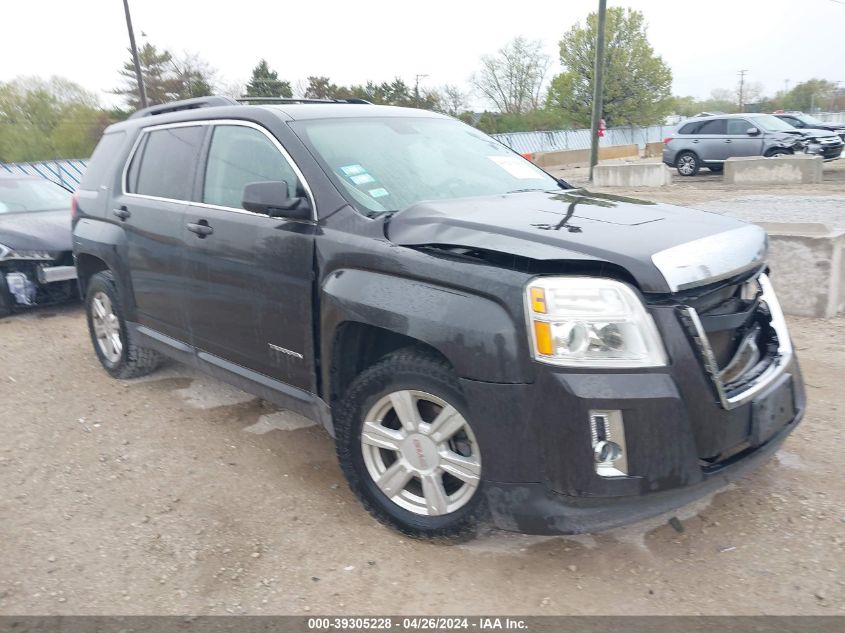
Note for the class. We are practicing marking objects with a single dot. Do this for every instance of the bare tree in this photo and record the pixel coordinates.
(453, 100)
(512, 79)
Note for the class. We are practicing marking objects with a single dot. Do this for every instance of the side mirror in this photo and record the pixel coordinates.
(752, 131)
(272, 199)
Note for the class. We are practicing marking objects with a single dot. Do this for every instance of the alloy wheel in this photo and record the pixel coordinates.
(686, 165)
(421, 453)
(106, 327)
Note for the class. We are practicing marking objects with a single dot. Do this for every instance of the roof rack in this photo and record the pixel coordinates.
(184, 104)
(260, 100)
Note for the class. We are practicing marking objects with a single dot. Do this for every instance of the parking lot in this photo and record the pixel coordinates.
(178, 494)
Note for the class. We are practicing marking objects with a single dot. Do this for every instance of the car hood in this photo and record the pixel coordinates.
(808, 132)
(36, 230)
(664, 247)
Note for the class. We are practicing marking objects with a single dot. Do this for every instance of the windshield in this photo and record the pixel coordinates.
(809, 120)
(771, 123)
(388, 164)
(23, 194)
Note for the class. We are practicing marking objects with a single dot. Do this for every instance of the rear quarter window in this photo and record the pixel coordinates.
(689, 128)
(102, 162)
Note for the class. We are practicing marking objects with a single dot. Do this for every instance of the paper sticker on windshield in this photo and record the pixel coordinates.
(378, 193)
(516, 166)
(362, 179)
(353, 170)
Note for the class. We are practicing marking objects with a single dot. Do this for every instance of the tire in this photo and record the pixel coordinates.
(119, 355)
(687, 164)
(716, 169)
(427, 500)
(778, 152)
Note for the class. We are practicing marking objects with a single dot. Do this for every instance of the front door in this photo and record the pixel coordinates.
(249, 276)
(711, 140)
(739, 142)
(151, 209)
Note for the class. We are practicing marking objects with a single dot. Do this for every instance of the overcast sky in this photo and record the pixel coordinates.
(705, 43)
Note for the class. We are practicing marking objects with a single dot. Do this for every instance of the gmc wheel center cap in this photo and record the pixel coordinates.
(420, 452)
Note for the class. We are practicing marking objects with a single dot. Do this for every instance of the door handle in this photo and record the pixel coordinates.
(727, 140)
(201, 228)
(695, 140)
(122, 212)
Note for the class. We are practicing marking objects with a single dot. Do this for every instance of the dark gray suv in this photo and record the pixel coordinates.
(710, 141)
(480, 338)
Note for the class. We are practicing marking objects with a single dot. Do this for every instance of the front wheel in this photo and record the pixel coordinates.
(407, 448)
(778, 152)
(687, 164)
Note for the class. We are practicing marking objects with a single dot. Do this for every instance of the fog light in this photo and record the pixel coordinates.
(607, 434)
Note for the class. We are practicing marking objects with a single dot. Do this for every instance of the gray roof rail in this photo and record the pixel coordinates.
(184, 104)
(270, 100)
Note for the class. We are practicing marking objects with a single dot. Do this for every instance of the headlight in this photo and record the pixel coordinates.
(590, 322)
(7, 253)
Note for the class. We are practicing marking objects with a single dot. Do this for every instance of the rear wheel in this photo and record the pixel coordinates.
(118, 353)
(687, 164)
(408, 450)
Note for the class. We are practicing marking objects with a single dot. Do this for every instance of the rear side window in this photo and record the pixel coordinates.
(240, 155)
(102, 161)
(716, 126)
(689, 128)
(164, 163)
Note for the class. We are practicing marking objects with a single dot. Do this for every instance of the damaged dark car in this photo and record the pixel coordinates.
(483, 341)
(36, 262)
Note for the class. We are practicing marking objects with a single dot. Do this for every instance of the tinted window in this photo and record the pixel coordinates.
(102, 160)
(168, 162)
(738, 126)
(716, 126)
(689, 128)
(792, 121)
(240, 155)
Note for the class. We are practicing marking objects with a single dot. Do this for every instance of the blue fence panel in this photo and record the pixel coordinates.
(66, 173)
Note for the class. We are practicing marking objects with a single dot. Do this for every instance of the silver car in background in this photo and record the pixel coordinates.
(710, 141)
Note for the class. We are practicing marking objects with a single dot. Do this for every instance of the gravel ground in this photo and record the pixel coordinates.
(178, 494)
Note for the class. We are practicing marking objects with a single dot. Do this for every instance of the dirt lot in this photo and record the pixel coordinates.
(179, 494)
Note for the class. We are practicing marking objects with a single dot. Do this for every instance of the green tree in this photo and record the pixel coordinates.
(45, 119)
(193, 77)
(810, 95)
(637, 82)
(265, 82)
(322, 88)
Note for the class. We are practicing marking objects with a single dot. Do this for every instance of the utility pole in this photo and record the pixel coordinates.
(741, 74)
(142, 91)
(417, 88)
(598, 88)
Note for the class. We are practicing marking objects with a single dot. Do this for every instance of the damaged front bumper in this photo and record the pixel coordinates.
(27, 283)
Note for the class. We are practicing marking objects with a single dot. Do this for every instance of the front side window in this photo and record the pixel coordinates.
(390, 163)
(165, 163)
(238, 156)
(738, 126)
(19, 195)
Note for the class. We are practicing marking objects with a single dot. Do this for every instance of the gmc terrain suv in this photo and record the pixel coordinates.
(710, 141)
(481, 339)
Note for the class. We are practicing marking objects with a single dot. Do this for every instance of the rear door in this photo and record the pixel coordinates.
(711, 140)
(250, 276)
(156, 187)
(739, 143)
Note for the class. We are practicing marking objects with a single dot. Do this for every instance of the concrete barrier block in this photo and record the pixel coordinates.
(781, 170)
(653, 150)
(632, 175)
(808, 269)
(582, 156)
